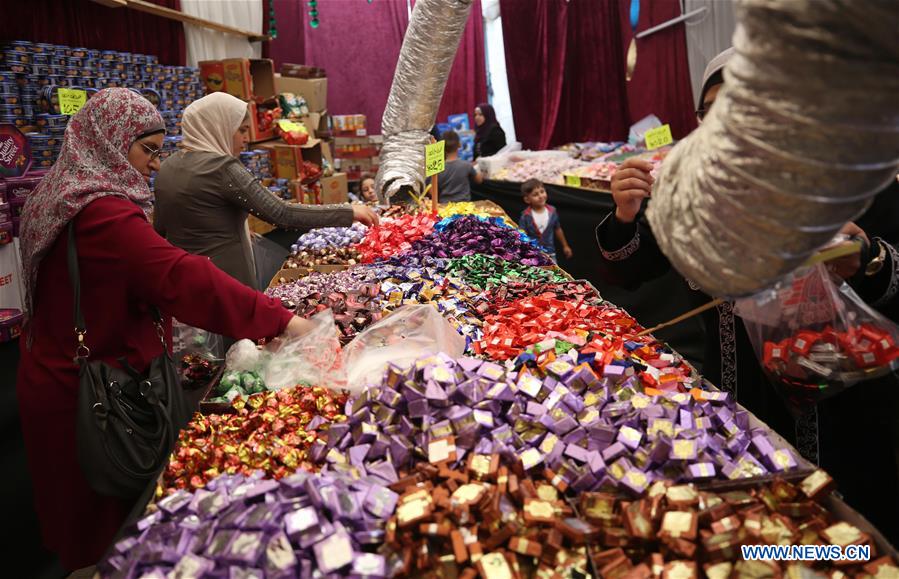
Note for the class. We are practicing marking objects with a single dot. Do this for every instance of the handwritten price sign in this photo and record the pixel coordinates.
(71, 100)
(658, 137)
(573, 180)
(434, 158)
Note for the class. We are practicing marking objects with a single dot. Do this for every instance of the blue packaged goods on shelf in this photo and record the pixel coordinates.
(22, 46)
(17, 121)
(10, 56)
(53, 121)
(17, 110)
(41, 47)
(10, 98)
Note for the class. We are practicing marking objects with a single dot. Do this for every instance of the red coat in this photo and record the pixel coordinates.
(125, 266)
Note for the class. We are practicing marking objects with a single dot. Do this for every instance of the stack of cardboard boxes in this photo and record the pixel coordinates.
(255, 81)
(355, 151)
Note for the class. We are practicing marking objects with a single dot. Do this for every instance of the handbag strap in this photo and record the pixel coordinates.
(82, 352)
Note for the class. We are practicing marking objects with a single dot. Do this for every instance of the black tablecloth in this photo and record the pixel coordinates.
(580, 211)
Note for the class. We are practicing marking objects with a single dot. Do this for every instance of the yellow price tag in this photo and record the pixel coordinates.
(71, 100)
(658, 137)
(434, 158)
(573, 180)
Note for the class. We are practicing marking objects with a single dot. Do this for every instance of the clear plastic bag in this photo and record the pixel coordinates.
(409, 333)
(313, 358)
(815, 337)
(189, 340)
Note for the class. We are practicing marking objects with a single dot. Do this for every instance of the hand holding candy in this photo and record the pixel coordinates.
(631, 183)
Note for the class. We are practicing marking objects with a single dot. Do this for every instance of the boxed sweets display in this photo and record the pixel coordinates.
(31, 75)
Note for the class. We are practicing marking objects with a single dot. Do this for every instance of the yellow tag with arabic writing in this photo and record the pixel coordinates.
(71, 100)
(434, 158)
(658, 137)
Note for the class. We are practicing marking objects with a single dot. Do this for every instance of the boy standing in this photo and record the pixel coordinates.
(455, 180)
(541, 221)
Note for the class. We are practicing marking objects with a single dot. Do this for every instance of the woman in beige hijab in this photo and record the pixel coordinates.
(204, 194)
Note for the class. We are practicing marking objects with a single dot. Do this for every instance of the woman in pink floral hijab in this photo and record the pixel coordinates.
(100, 185)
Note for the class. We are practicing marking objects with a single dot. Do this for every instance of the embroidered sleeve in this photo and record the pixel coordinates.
(622, 253)
(893, 285)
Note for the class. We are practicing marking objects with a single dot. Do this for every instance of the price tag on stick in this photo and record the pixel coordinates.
(71, 100)
(434, 158)
(573, 180)
(658, 137)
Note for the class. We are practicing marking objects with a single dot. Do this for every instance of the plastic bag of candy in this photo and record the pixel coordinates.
(313, 358)
(815, 337)
(408, 334)
(189, 340)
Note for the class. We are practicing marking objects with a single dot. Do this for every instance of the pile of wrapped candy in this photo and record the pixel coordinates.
(468, 234)
(394, 236)
(271, 432)
(591, 430)
(330, 237)
(548, 169)
(308, 258)
(680, 531)
(563, 444)
(248, 526)
(485, 271)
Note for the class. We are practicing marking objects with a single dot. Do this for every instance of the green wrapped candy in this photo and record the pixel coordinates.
(229, 380)
(487, 271)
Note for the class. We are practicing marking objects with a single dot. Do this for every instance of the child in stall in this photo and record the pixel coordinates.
(366, 190)
(541, 221)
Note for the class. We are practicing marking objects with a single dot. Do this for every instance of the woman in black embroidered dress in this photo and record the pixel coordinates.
(852, 435)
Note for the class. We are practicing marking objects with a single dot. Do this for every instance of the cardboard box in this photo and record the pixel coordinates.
(349, 125)
(287, 160)
(335, 189)
(318, 124)
(306, 195)
(212, 73)
(314, 90)
(259, 130)
(302, 70)
(250, 78)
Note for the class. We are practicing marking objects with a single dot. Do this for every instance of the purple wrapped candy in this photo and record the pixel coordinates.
(334, 553)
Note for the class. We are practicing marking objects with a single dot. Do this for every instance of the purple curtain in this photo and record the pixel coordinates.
(358, 44)
(467, 83)
(86, 24)
(290, 45)
(566, 71)
(661, 82)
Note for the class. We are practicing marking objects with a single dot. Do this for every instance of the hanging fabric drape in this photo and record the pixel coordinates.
(82, 23)
(467, 82)
(661, 80)
(707, 35)
(204, 44)
(565, 68)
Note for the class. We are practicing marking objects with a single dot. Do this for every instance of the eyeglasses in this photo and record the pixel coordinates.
(152, 151)
(702, 111)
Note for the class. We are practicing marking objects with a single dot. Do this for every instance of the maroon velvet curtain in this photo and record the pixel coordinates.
(86, 24)
(290, 45)
(566, 71)
(358, 44)
(661, 81)
(467, 83)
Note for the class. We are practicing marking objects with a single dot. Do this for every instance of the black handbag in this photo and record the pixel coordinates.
(127, 422)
